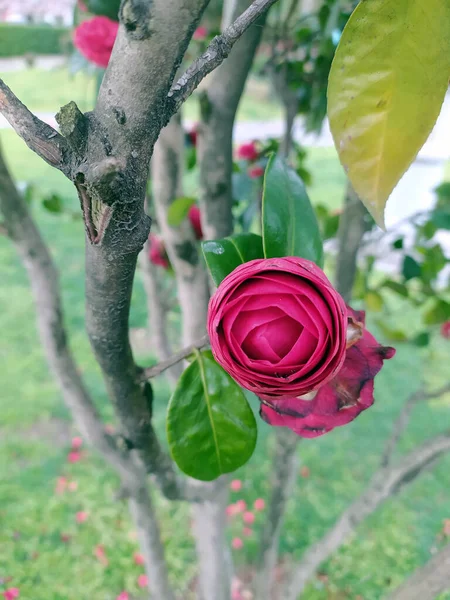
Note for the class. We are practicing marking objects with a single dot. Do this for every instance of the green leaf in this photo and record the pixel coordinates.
(108, 8)
(289, 224)
(53, 203)
(443, 191)
(438, 313)
(395, 286)
(411, 268)
(223, 256)
(441, 219)
(178, 210)
(374, 301)
(422, 339)
(210, 426)
(395, 335)
(398, 244)
(386, 88)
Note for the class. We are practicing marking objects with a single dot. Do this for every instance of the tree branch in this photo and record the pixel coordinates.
(429, 581)
(402, 420)
(151, 372)
(215, 54)
(40, 137)
(386, 482)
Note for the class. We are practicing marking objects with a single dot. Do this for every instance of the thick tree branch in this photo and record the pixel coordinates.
(429, 581)
(353, 225)
(151, 372)
(45, 288)
(402, 420)
(215, 54)
(385, 483)
(40, 137)
(283, 471)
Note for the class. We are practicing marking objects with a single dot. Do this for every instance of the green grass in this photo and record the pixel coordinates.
(46, 91)
(35, 431)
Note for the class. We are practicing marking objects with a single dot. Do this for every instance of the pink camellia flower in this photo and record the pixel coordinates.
(247, 531)
(138, 558)
(231, 510)
(77, 442)
(445, 330)
(237, 543)
(195, 220)
(255, 172)
(123, 596)
(142, 581)
(157, 254)
(81, 516)
(11, 593)
(340, 400)
(74, 456)
(200, 34)
(248, 517)
(95, 39)
(280, 329)
(100, 553)
(236, 485)
(259, 504)
(240, 505)
(247, 151)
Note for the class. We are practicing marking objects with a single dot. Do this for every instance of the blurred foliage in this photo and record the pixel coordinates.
(20, 40)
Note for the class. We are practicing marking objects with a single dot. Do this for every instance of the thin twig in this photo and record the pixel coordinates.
(403, 419)
(215, 54)
(39, 136)
(151, 372)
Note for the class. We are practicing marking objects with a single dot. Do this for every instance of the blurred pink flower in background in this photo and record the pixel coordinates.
(248, 518)
(259, 504)
(142, 581)
(255, 172)
(138, 558)
(81, 516)
(200, 34)
(237, 543)
(11, 593)
(236, 485)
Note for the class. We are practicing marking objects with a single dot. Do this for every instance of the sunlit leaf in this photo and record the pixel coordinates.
(374, 301)
(438, 313)
(386, 88)
(211, 428)
(178, 210)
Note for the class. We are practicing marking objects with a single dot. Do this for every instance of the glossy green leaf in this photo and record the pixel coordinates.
(411, 268)
(223, 256)
(211, 428)
(422, 339)
(178, 210)
(438, 313)
(386, 87)
(289, 224)
(108, 8)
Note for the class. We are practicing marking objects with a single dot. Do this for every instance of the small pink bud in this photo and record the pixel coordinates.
(81, 516)
(231, 510)
(247, 531)
(259, 504)
(72, 486)
(237, 543)
(123, 596)
(200, 34)
(236, 485)
(305, 472)
(74, 456)
(142, 581)
(11, 593)
(247, 151)
(445, 330)
(65, 538)
(255, 172)
(100, 553)
(241, 505)
(77, 442)
(248, 518)
(138, 558)
(60, 487)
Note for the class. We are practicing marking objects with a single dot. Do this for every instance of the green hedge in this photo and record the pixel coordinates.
(17, 40)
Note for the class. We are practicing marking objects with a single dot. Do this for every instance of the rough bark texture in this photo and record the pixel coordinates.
(181, 245)
(429, 581)
(45, 289)
(385, 483)
(284, 467)
(353, 225)
(219, 104)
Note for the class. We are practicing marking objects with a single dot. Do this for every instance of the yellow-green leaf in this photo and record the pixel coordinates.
(386, 87)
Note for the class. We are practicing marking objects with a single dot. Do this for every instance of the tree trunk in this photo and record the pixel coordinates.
(284, 467)
(353, 225)
(429, 581)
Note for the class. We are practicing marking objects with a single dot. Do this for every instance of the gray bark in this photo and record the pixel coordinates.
(282, 478)
(181, 245)
(219, 103)
(385, 483)
(43, 278)
(353, 225)
(429, 581)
